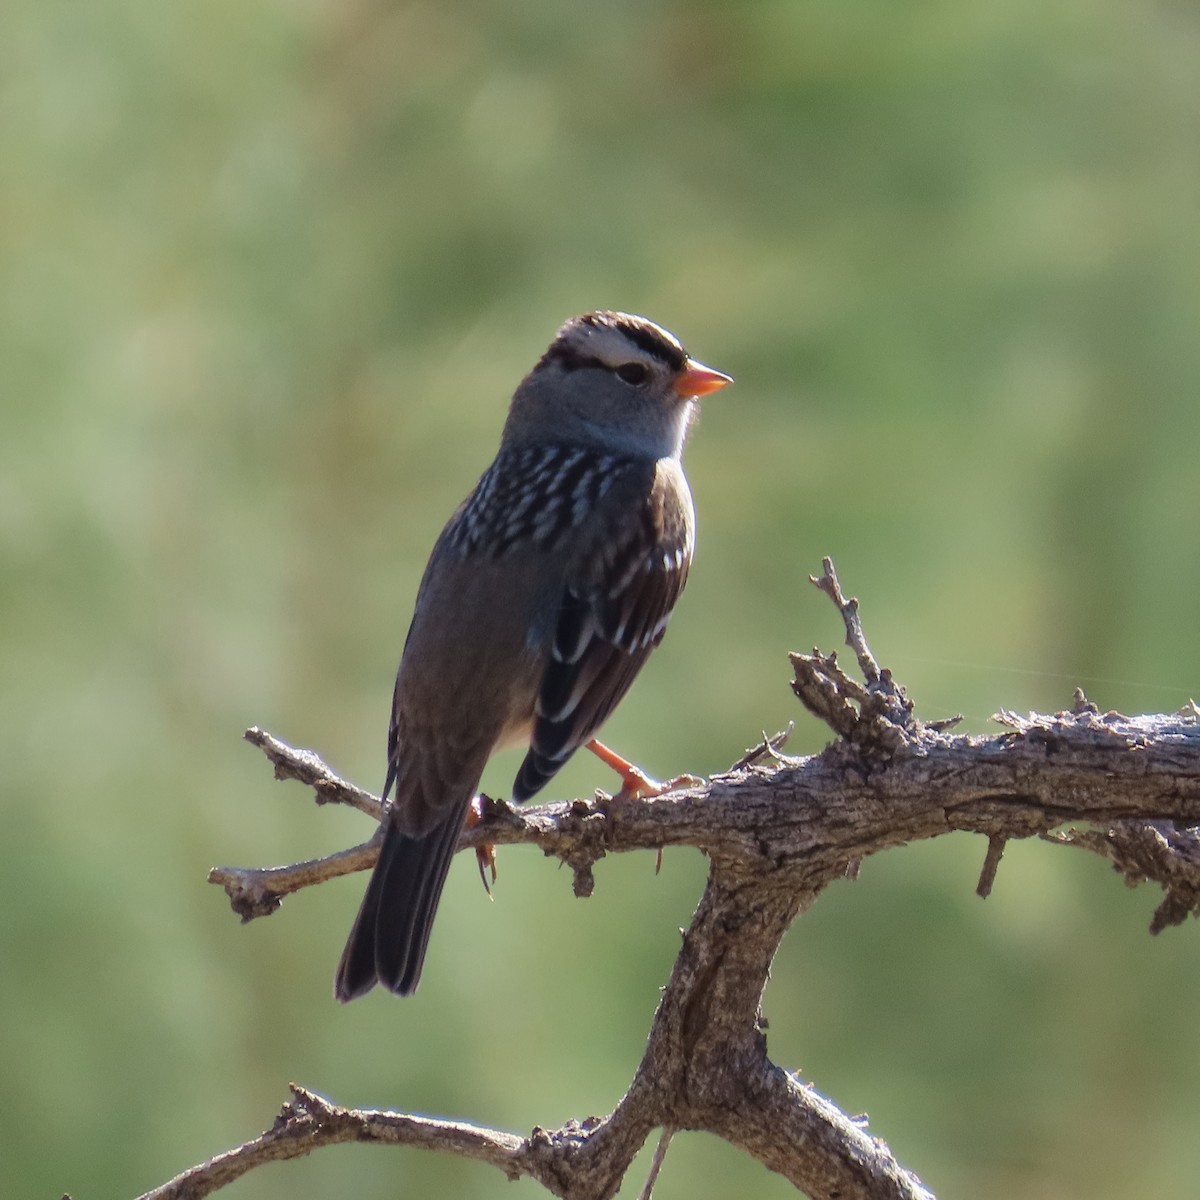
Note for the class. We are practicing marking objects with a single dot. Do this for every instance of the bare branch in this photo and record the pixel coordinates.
(660, 1155)
(1157, 850)
(307, 767)
(258, 891)
(856, 639)
(776, 830)
(769, 749)
(991, 864)
(819, 811)
(307, 1122)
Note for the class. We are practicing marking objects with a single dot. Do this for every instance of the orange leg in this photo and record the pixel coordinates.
(635, 783)
(485, 855)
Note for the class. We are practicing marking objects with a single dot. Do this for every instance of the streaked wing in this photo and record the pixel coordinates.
(614, 611)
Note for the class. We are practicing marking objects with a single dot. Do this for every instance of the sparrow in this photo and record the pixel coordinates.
(542, 598)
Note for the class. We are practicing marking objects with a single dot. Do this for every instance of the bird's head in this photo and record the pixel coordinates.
(615, 381)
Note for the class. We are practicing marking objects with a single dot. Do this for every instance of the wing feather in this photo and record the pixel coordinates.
(614, 610)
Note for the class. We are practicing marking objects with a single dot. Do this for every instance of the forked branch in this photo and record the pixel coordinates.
(776, 831)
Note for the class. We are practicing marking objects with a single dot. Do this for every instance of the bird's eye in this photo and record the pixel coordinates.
(633, 372)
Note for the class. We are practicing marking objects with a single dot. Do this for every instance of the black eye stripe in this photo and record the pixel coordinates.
(571, 360)
(654, 344)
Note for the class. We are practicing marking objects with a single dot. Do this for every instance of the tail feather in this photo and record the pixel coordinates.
(391, 932)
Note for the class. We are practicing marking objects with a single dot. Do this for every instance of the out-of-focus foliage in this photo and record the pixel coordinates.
(268, 273)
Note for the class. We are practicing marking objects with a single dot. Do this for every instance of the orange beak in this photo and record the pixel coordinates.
(698, 380)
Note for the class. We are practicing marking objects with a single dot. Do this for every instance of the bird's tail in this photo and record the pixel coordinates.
(390, 934)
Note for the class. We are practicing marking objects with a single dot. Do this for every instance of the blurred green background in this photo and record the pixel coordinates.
(268, 274)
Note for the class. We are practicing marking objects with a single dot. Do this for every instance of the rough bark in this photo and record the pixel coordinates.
(776, 830)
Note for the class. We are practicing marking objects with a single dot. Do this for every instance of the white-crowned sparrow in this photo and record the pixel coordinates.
(543, 596)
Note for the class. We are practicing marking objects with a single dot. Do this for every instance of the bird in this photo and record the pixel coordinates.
(542, 598)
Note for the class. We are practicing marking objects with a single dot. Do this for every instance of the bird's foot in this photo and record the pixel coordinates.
(485, 855)
(636, 784)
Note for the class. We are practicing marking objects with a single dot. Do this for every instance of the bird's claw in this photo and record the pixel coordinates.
(485, 855)
(636, 785)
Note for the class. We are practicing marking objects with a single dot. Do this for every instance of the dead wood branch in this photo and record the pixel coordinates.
(776, 831)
